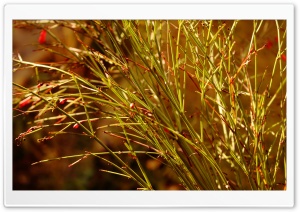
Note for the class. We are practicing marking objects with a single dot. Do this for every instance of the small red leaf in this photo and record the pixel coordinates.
(283, 57)
(42, 38)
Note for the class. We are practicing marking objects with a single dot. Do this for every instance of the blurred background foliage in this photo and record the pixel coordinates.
(85, 175)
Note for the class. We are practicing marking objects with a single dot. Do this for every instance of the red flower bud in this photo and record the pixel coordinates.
(269, 44)
(75, 126)
(25, 102)
(42, 38)
(131, 105)
(62, 101)
(166, 130)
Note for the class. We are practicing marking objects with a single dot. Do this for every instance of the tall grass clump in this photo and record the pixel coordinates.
(207, 99)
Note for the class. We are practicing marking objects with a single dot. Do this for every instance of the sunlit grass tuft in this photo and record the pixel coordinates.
(191, 94)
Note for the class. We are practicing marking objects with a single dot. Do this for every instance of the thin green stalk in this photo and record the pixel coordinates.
(139, 180)
(84, 106)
